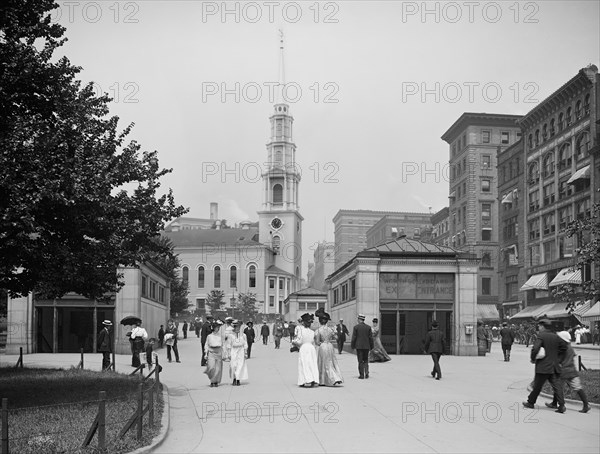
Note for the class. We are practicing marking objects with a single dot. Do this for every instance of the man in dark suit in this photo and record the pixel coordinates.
(341, 331)
(204, 332)
(362, 341)
(250, 336)
(434, 345)
(507, 338)
(265, 332)
(548, 367)
(105, 344)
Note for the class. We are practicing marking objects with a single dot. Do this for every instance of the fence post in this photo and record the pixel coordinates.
(157, 371)
(81, 350)
(4, 425)
(140, 411)
(102, 421)
(20, 360)
(151, 406)
(114, 365)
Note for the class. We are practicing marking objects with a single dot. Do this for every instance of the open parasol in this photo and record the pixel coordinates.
(131, 320)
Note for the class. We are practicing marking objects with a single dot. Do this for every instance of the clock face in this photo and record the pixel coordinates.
(276, 223)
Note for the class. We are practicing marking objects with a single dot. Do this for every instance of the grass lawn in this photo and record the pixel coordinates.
(590, 380)
(51, 410)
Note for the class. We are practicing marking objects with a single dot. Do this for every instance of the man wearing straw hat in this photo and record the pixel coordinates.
(362, 341)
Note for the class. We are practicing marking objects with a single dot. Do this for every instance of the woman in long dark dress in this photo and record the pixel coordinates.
(378, 354)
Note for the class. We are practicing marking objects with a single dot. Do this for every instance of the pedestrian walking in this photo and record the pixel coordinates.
(329, 370)
(171, 341)
(250, 336)
(489, 337)
(308, 369)
(277, 333)
(197, 326)
(185, 329)
(138, 337)
(265, 332)
(161, 336)
(507, 338)
(105, 343)
(482, 342)
(292, 330)
(435, 343)
(378, 353)
(569, 374)
(238, 344)
(341, 331)
(362, 342)
(547, 364)
(207, 328)
(213, 355)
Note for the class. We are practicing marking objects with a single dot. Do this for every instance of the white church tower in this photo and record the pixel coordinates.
(280, 222)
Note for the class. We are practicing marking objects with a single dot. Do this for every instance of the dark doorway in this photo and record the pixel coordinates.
(404, 332)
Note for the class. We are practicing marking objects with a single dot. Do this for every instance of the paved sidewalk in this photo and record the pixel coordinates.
(476, 407)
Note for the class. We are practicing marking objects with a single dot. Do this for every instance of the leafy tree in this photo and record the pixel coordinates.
(215, 301)
(246, 304)
(67, 222)
(587, 232)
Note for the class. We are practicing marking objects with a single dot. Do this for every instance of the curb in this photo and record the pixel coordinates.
(160, 438)
(570, 401)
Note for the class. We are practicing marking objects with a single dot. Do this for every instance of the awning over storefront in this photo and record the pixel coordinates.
(593, 313)
(584, 172)
(487, 312)
(566, 276)
(512, 303)
(557, 310)
(532, 311)
(581, 309)
(536, 282)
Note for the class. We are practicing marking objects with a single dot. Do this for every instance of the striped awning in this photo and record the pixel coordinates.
(581, 308)
(452, 195)
(536, 282)
(593, 313)
(557, 310)
(566, 276)
(584, 172)
(532, 311)
(487, 312)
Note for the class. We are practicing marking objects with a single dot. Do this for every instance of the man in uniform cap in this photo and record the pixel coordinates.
(507, 338)
(105, 343)
(362, 341)
(548, 367)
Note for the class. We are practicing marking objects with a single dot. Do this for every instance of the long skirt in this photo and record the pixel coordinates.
(214, 365)
(308, 369)
(329, 370)
(237, 366)
(378, 354)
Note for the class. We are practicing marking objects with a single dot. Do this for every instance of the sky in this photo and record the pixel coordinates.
(372, 86)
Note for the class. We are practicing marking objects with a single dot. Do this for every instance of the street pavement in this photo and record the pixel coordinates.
(475, 407)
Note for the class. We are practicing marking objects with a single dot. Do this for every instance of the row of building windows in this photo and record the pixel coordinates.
(509, 171)
(565, 159)
(549, 194)
(564, 215)
(153, 290)
(550, 251)
(460, 239)
(565, 120)
(216, 275)
(345, 291)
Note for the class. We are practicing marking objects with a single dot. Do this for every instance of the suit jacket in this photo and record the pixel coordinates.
(250, 334)
(341, 331)
(362, 337)
(435, 341)
(173, 331)
(507, 335)
(555, 349)
(264, 330)
(104, 341)
(206, 330)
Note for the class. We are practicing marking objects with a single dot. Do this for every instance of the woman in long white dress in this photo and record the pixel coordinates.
(213, 348)
(329, 370)
(238, 349)
(308, 369)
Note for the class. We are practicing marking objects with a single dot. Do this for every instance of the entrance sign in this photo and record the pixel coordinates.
(416, 286)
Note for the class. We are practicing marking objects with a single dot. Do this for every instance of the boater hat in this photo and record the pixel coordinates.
(564, 335)
(107, 323)
(361, 317)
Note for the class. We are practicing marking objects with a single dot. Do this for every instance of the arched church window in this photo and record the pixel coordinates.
(185, 275)
(217, 277)
(278, 193)
(233, 277)
(276, 243)
(252, 276)
(201, 277)
(278, 156)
